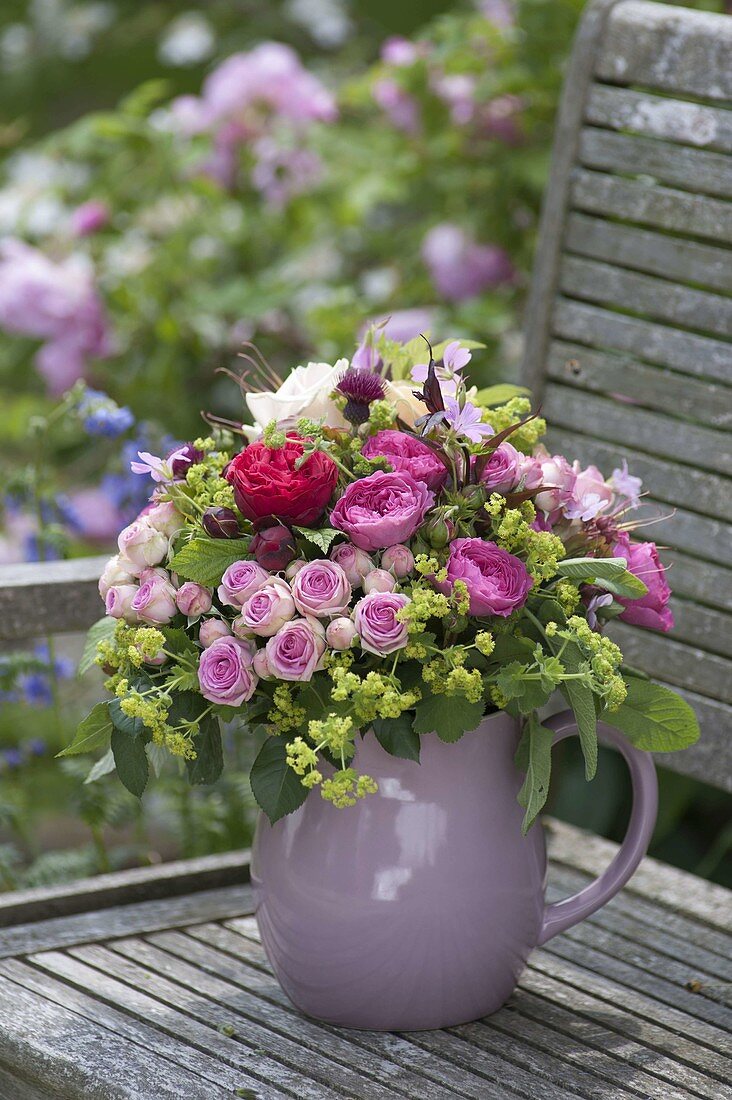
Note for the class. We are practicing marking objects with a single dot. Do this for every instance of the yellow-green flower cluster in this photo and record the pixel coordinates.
(604, 658)
(528, 435)
(382, 414)
(511, 529)
(375, 695)
(345, 787)
(285, 715)
(334, 734)
(446, 675)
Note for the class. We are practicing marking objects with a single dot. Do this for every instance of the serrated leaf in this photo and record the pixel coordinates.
(91, 734)
(103, 766)
(449, 716)
(534, 755)
(322, 538)
(209, 762)
(101, 630)
(398, 736)
(498, 395)
(275, 786)
(205, 560)
(654, 718)
(121, 721)
(130, 759)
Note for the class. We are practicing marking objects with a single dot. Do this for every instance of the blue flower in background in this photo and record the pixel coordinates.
(102, 416)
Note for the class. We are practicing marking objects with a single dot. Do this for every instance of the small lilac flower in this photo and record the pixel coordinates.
(460, 267)
(626, 485)
(466, 421)
(401, 108)
(399, 51)
(453, 361)
(89, 217)
(159, 469)
(366, 357)
(101, 416)
(603, 600)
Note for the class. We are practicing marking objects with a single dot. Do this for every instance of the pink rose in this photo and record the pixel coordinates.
(140, 545)
(340, 633)
(498, 582)
(556, 474)
(295, 651)
(409, 455)
(399, 560)
(502, 472)
(225, 672)
(210, 630)
(268, 609)
(321, 588)
(240, 581)
(643, 561)
(354, 562)
(381, 509)
(379, 580)
(118, 602)
(589, 495)
(193, 599)
(377, 625)
(113, 573)
(155, 601)
(164, 517)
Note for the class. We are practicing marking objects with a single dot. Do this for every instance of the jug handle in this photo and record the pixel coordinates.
(560, 915)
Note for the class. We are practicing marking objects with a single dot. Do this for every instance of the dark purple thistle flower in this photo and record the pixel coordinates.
(361, 387)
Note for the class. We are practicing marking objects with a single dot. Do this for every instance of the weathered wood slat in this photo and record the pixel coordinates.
(614, 373)
(700, 356)
(121, 920)
(652, 432)
(689, 169)
(650, 252)
(66, 1055)
(671, 483)
(705, 627)
(646, 203)
(674, 662)
(660, 117)
(647, 44)
(138, 1031)
(58, 598)
(681, 306)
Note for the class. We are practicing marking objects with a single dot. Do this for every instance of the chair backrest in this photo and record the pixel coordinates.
(629, 321)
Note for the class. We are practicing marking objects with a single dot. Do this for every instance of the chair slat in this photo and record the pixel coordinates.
(705, 627)
(710, 758)
(688, 169)
(646, 203)
(613, 373)
(660, 117)
(700, 356)
(644, 44)
(653, 253)
(675, 662)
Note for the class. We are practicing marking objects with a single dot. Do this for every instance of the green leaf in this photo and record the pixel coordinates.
(103, 766)
(626, 585)
(534, 755)
(591, 569)
(275, 786)
(450, 716)
(398, 737)
(654, 718)
(205, 560)
(582, 701)
(99, 632)
(499, 395)
(209, 762)
(123, 722)
(91, 734)
(130, 760)
(322, 538)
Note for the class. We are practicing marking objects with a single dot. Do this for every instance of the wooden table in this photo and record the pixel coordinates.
(104, 995)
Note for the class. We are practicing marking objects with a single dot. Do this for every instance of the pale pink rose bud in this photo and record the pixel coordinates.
(260, 664)
(210, 630)
(240, 629)
(118, 602)
(193, 599)
(155, 601)
(268, 609)
(355, 563)
(155, 571)
(378, 580)
(165, 517)
(340, 633)
(294, 568)
(114, 573)
(141, 545)
(398, 560)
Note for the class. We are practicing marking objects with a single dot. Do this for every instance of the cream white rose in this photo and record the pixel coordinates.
(305, 392)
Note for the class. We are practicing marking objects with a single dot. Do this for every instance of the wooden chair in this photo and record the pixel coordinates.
(152, 983)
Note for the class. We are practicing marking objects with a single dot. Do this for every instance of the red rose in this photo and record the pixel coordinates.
(267, 485)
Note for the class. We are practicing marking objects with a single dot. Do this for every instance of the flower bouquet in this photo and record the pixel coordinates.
(386, 550)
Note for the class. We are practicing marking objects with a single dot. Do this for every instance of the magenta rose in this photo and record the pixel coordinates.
(240, 581)
(408, 455)
(155, 601)
(377, 625)
(382, 509)
(268, 609)
(225, 672)
(295, 651)
(321, 588)
(502, 471)
(498, 582)
(643, 561)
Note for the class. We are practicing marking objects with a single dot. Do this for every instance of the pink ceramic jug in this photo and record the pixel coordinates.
(418, 907)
